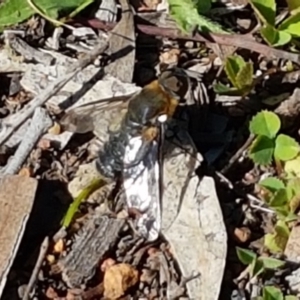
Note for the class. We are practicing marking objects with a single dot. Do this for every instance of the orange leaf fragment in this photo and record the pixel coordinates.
(59, 246)
(55, 129)
(118, 279)
(26, 171)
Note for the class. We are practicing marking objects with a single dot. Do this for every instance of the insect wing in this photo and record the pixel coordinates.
(142, 188)
(86, 117)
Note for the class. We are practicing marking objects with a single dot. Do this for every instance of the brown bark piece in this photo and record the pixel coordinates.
(97, 237)
(17, 195)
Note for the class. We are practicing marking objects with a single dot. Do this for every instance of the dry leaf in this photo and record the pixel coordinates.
(147, 276)
(51, 293)
(55, 129)
(118, 279)
(27, 172)
(242, 234)
(107, 264)
(146, 5)
(70, 295)
(152, 251)
(44, 144)
(292, 249)
(170, 57)
(59, 246)
(50, 259)
(294, 203)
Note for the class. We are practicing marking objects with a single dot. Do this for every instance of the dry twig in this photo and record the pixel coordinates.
(40, 122)
(237, 40)
(53, 88)
(43, 251)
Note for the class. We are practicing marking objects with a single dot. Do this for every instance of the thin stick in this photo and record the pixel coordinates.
(238, 40)
(38, 125)
(238, 154)
(52, 89)
(42, 14)
(43, 251)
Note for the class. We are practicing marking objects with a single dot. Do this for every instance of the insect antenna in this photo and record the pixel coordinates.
(161, 140)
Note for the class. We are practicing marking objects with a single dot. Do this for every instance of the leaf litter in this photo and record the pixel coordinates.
(242, 110)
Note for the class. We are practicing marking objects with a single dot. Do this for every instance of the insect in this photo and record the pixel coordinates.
(132, 150)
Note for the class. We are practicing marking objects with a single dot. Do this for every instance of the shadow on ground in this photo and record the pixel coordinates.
(51, 202)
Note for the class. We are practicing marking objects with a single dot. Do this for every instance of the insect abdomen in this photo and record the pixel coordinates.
(110, 159)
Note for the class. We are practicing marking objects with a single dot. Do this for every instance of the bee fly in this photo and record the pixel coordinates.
(133, 148)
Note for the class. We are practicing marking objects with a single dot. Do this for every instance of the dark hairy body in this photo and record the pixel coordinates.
(141, 119)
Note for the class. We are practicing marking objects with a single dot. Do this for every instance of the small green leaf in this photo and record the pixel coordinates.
(290, 297)
(286, 148)
(13, 12)
(290, 218)
(272, 293)
(265, 123)
(283, 212)
(293, 4)
(294, 185)
(276, 242)
(280, 202)
(265, 9)
(291, 25)
(203, 6)
(282, 38)
(269, 34)
(262, 149)
(222, 89)
(233, 65)
(245, 256)
(244, 77)
(187, 16)
(16, 11)
(280, 198)
(271, 263)
(294, 203)
(272, 184)
(282, 229)
(272, 244)
(237, 61)
(292, 167)
(257, 268)
(274, 37)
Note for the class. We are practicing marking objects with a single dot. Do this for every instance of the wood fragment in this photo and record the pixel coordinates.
(52, 89)
(122, 46)
(28, 52)
(107, 11)
(93, 293)
(96, 238)
(237, 40)
(17, 194)
(289, 109)
(33, 277)
(40, 122)
(238, 154)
